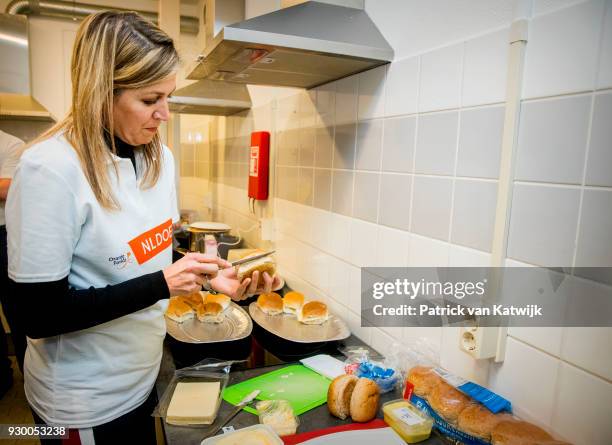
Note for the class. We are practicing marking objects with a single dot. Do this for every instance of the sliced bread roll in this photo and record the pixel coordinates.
(339, 395)
(265, 264)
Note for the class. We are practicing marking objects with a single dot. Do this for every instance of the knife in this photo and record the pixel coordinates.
(252, 258)
(248, 399)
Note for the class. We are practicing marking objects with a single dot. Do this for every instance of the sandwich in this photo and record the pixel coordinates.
(313, 312)
(210, 312)
(339, 395)
(265, 264)
(479, 421)
(221, 299)
(424, 379)
(178, 310)
(448, 402)
(270, 303)
(194, 300)
(514, 432)
(292, 302)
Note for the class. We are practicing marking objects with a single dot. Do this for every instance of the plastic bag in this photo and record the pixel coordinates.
(279, 415)
(208, 370)
(361, 361)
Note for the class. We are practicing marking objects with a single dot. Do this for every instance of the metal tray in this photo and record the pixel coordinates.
(237, 325)
(288, 327)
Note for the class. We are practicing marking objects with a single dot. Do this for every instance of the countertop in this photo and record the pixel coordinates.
(314, 419)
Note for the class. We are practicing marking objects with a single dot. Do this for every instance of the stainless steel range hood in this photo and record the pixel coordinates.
(302, 46)
(16, 101)
(211, 97)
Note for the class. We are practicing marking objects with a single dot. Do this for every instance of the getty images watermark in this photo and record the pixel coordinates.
(528, 297)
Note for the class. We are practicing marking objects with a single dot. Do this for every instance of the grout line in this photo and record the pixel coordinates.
(559, 359)
(414, 155)
(456, 163)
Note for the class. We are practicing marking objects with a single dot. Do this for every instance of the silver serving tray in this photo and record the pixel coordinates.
(288, 327)
(237, 325)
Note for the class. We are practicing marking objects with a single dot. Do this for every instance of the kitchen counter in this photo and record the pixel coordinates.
(314, 419)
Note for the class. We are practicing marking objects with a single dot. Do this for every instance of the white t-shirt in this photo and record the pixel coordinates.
(10, 148)
(56, 228)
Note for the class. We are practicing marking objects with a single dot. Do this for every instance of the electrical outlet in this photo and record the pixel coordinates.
(481, 343)
(268, 229)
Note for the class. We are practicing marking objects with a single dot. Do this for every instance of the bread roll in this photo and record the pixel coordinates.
(518, 432)
(265, 264)
(210, 312)
(479, 421)
(178, 310)
(448, 401)
(339, 395)
(194, 300)
(424, 380)
(270, 303)
(292, 302)
(364, 401)
(313, 312)
(221, 299)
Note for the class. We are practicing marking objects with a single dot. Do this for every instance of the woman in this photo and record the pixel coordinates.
(89, 219)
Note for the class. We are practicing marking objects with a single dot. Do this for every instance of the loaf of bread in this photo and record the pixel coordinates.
(448, 402)
(478, 421)
(424, 380)
(518, 432)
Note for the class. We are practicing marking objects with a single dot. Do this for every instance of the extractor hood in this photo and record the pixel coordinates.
(302, 46)
(16, 101)
(211, 97)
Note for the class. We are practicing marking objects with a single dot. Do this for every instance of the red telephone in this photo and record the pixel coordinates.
(259, 161)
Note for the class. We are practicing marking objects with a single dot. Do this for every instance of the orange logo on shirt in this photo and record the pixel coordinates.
(146, 245)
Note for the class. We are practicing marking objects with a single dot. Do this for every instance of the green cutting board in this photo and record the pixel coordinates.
(303, 388)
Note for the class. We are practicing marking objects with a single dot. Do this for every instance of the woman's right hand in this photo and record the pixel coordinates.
(188, 274)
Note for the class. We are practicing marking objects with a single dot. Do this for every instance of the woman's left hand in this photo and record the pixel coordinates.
(227, 282)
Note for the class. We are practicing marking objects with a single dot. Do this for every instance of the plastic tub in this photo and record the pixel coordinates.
(412, 424)
(256, 434)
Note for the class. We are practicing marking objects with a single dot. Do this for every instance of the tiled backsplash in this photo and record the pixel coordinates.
(398, 166)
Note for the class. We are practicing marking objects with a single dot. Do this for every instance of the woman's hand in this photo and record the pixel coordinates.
(227, 282)
(188, 274)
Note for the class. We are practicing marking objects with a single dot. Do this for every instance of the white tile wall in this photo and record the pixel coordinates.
(436, 145)
(553, 139)
(392, 247)
(431, 206)
(544, 220)
(372, 93)
(594, 240)
(532, 389)
(582, 409)
(604, 77)
(363, 243)
(600, 155)
(398, 144)
(440, 79)
(551, 224)
(584, 347)
(402, 87)
(474, 213)
(480, 140)
(346, 100)
(484, 69)
(553, 49)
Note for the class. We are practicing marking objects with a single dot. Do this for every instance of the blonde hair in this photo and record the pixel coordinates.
(113, 51)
